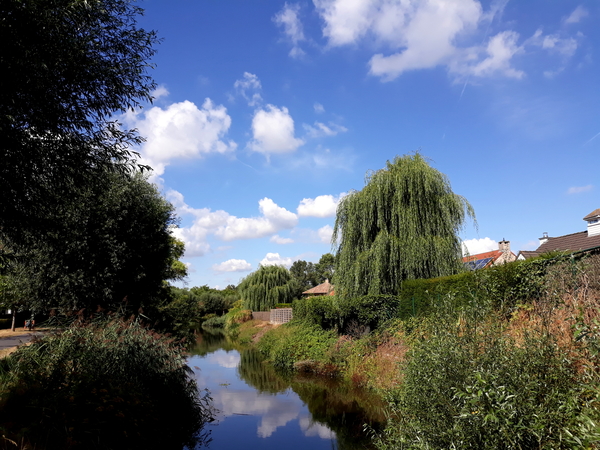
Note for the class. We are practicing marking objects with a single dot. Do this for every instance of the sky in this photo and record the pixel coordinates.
(268, 112)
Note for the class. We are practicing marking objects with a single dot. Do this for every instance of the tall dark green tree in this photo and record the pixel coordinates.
(265, 287)
(403, 224)
(114, 250)
(67, 67)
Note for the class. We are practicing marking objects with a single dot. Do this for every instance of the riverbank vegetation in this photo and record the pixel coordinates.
(101, 385)
(502, 358)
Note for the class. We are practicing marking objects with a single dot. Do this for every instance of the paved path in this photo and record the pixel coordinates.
(17, 339)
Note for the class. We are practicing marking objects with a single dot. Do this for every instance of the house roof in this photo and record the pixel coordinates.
(322, 289)
(494, 254)
(593, 214)
(570, 242)
(527, 254)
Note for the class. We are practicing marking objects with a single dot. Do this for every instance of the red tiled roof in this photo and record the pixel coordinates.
(570, 242)
(321, 289)
(493, 254)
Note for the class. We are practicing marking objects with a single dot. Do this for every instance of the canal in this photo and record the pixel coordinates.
(258, 408)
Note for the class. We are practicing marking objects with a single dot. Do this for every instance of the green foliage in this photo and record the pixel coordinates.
(502, 286)
(114, 249)
(265, 287)
(105, 385)
(214, 322)
(346, 315)
(68, 67)
(469, 385)
(293, 342)
(403, 225)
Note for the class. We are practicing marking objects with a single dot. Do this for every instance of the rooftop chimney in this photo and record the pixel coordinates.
(504, 246)
(544, 238)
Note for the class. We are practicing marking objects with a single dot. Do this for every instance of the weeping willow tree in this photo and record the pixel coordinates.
(403, 224)
(267, 286)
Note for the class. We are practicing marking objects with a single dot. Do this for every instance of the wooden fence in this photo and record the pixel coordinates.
(281, 315)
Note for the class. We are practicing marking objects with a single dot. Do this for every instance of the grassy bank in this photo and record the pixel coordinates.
(506, 369)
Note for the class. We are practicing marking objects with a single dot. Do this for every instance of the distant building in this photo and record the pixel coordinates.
(583, 240)
(325, 288)
(493, 258)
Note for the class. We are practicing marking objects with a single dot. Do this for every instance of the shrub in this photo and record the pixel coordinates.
(346, 314)
(469, 385)
(109, 385)
(214, 322)
(293, 342)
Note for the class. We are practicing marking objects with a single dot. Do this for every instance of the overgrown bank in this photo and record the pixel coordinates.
(503, 358)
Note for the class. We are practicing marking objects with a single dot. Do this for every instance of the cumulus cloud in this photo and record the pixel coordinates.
(160, 91)
(422, 34)
(499, 52)
(273, 219)
(181, 131)
(276, 239)
(274, 259)
(579, 13)
(579, 189)
(233, 265)
(292, 27)
(321, 130)
(321, 206)
(249, 87)
(325, 234)
(227, 227)
(273, 131)
(476, 246)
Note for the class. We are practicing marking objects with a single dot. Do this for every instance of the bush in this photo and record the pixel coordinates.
(214, 322)
(346, 314)
(295, 342)
(469, 385)
(109, 385)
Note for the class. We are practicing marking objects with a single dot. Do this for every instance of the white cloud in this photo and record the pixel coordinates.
(227, 227)
(227, 360)
(233, 265)
(292, 27)
(422, 34)
(273, 131)
(160, 91)
(181, 131)
(273, 259)
(249, 87)
(321, 130)
(500, 50)
(476, 246)
(579, 13)
(274, 218)
(325, 234)
(281, 240)
(579, 189)
(321, 206)
(319, 109)
(563, 46)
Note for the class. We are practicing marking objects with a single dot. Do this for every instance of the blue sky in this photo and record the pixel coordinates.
(267, 112)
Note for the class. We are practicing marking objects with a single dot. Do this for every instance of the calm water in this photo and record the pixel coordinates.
(260, 409)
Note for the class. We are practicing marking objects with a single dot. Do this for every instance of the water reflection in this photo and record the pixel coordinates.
(259, 408)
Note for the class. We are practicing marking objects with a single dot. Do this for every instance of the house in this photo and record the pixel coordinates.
(325, 288)
(492, 258)
(583, 240)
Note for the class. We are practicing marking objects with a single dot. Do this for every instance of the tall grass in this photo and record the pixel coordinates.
(469, 383)
(111, 385)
